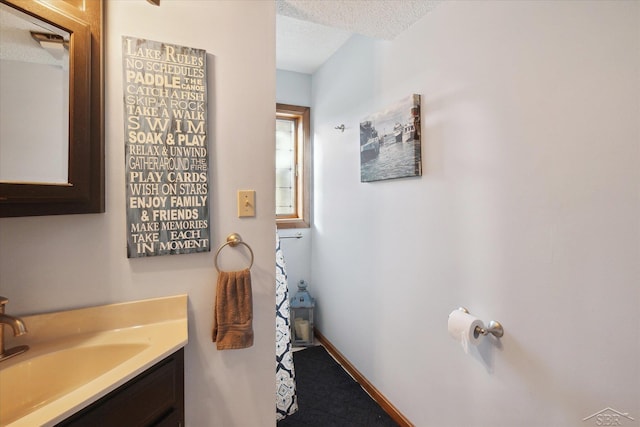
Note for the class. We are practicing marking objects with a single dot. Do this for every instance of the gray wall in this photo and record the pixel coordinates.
(527, 213)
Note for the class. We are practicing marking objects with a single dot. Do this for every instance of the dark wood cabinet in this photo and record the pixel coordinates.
(153, 398)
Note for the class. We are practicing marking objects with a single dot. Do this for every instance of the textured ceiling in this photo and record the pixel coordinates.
(308, 32)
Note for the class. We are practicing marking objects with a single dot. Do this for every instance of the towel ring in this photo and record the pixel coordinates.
(233, 240)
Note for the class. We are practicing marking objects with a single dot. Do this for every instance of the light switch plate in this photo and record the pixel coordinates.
(246, 203)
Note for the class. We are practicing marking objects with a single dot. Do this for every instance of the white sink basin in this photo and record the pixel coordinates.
(77, 356)
(37, 381)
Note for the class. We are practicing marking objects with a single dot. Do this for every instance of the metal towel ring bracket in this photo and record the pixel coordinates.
(233, 240)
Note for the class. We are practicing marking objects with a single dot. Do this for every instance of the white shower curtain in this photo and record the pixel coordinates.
(286, 400)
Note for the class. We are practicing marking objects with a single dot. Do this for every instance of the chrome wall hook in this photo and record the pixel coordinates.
(340, 127)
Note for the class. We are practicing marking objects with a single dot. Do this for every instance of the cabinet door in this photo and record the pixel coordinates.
(153, 398)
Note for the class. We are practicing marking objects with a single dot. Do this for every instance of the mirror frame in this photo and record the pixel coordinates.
(84, 192)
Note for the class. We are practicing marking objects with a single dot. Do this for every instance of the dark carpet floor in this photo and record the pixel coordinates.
(329, 396)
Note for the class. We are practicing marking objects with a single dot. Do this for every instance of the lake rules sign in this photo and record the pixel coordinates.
(166, 149)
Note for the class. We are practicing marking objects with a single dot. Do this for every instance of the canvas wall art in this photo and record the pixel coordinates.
(166, 148)
(390, 145)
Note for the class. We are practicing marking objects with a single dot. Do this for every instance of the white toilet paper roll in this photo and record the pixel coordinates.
(462, 326)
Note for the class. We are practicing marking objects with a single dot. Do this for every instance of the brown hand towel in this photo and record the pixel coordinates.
(233, 319)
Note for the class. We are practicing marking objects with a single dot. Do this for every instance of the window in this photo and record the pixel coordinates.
(292, 166)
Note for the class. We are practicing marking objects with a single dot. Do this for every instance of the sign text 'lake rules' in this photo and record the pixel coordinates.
(166, 148)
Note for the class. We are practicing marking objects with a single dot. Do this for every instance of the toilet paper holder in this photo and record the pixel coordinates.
(494, 328)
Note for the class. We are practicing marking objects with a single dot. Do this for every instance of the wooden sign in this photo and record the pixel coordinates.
(166, 149)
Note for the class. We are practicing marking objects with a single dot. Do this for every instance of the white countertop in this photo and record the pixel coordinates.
(126, 338)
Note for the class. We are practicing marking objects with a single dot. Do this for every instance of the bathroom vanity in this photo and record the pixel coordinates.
(118, 364)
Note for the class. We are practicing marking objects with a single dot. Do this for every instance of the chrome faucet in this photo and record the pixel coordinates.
(18, 329)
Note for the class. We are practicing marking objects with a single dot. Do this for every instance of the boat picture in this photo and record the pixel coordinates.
(390, 145)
